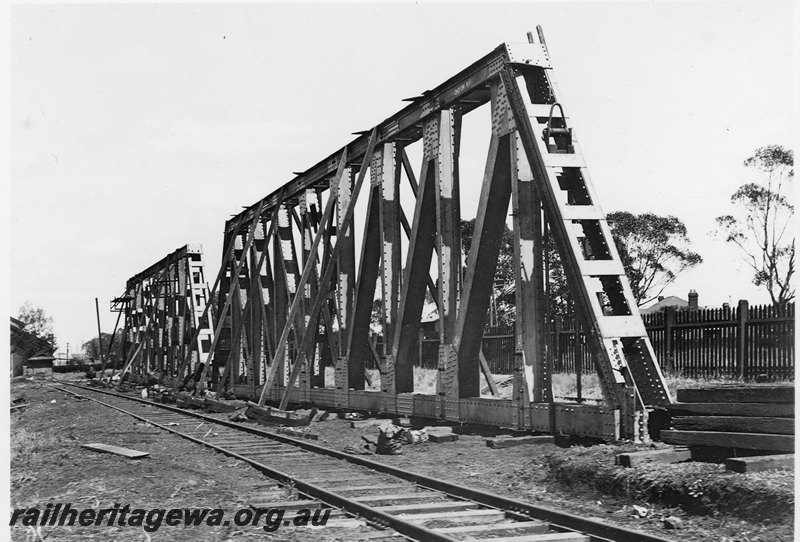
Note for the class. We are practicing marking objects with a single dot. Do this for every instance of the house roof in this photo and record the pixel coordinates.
(669, 301)
(28, 341)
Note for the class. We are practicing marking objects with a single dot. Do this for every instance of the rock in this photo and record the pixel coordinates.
(673, 522)
(641, 511)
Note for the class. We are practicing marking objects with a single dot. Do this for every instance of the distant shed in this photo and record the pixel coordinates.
(39, 364)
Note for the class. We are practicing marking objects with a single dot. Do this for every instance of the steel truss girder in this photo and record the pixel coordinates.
(282, 309)
(165, 320)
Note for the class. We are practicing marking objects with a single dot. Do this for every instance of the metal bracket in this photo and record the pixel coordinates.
(530, 54)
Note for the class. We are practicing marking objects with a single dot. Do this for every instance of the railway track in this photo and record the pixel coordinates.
(394, 502)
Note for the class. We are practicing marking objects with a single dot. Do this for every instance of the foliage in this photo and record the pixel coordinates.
(504, 301)
(761, 226)
(76, 359)
(654, 250)
(702, 488)
(38, 324)
(562, 306)
(91, 348)
(502, 304)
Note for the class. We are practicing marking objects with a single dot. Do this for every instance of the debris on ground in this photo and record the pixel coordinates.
(270, 416)
(641, 511)
(238, 415)
(360, 424)
(673, 522)
(415, 436)
(439, 434)
(390, 439)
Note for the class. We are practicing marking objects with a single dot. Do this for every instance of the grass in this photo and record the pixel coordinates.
(699, 488)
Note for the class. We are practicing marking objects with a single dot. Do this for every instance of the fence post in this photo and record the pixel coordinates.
(669, 320)
(557, 355)
(741, 337)
(420, 338)
(578, 361)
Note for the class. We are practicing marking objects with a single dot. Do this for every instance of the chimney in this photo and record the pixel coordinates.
(692, 299)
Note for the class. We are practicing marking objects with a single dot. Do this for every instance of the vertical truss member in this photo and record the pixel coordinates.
(282, 315)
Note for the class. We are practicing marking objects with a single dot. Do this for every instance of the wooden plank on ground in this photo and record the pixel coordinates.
(781, 410)
(738, 394)
(222, 406)
(749, 441)
(428, 507)
(508, 442)
(289, 505)
(737, 424)
(546, 537)
(668, 455)
(486, 515)
(184, 399)
(396, 498)
(108, 448)
(473, 530)
(760, 463)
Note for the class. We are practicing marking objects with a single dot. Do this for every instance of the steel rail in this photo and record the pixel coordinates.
(564, 520)
(369, 513)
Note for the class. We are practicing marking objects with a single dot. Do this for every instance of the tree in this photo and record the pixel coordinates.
(91, 347)
(562, 306)
(761, 224)
(654, 250)
(37, 323)
(502, 304)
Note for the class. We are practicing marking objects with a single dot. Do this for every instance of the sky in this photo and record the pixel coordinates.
(138, 128)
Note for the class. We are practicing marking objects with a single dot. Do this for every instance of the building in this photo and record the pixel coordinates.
(25, 347)
(39, 365)
(673, 301)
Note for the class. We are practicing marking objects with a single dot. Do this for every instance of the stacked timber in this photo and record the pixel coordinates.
(746, 417)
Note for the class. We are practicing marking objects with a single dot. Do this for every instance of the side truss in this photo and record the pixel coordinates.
(292, 299)
(167, 332)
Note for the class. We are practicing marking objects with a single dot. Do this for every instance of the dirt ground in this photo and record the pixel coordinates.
(48, 465)
(522, 472)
